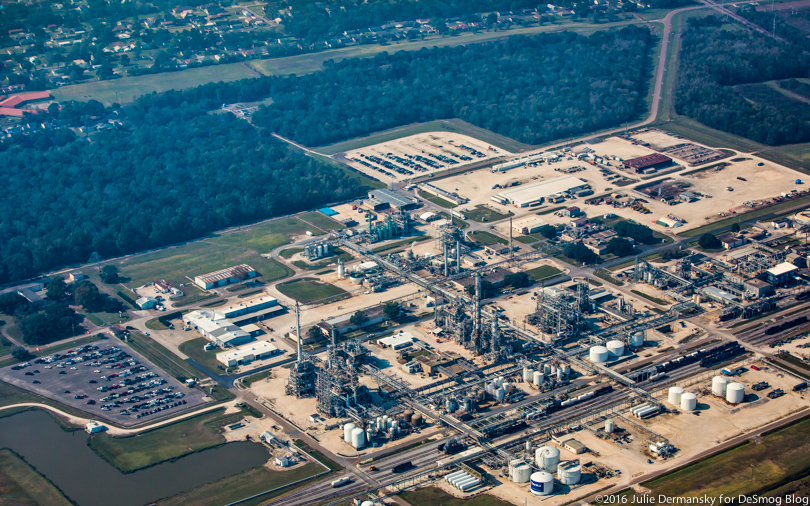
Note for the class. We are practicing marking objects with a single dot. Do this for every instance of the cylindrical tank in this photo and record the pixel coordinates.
(464, 487)
(553, 369)
(416, 421)
(538, 378)
(358, 438)
(688, 401)
(450, 405)
(719, 384)
(696, 298)
(407, 415)
(341, 270)
(380, 425)
(500, 394)
(637, 339)
(356, 278)
(367, 503)
(347, 432)
(674, 396)
(528, 374)
(453, 475)
(598, 354)
(566, 369)
(735, 393)
(615, 348)
(569, 472)
(547, 458)
(609, 426)
(542, 483)
(528, 446)
(521, 473)
(320, 250)
(547, 368)
(560, 375)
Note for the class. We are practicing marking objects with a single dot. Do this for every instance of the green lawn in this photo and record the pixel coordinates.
(22, 485)
(436, 200)
(289, 252)
(782, 455)
(178, 264)
(126, 89)
(257, 377)
(486, 238)
(306, 290)
(321, 221)
(767, 210)
(168, 442)
(661, 302)
(208, 359)
(433, 496)
(543, 272)
(483, 213)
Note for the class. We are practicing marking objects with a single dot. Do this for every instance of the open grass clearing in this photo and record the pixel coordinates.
(758, 213)
(165, 443)
(483, 213)
(658, 301)
(289, 252)
(127, 89)
(307, 290)
(543, 272)
(257, 377)
(486, 238)
(194, 350)
(321, 221)
(436, 200)
(22, 485)
(434, 496)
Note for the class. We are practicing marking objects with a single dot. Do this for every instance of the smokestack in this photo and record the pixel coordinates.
(446, 268)
(298, 331)
(458, 256)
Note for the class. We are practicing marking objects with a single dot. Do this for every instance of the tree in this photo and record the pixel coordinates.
(580, 253)
(620, 247)
(487, 289)
(518, 280)
(11, 303)
(56, 288)
(492, 19)
(95, 258)
(391, 310)
(640, 233)
(735, 228)
(358, 319)
(109, 274)
(708, 241)
(548, 231)
(314, 333)
(22, 354)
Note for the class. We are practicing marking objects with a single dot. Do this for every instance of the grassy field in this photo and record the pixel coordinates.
(661, 302)
(22, 485)
(289, 252)
(193, 349)
(767, 210)
(483, 213)
(780, 456)
(247, 484)
(165, 443)
(433, 496)
(166, 360)
(486, 238)
(178, 264)
(306, 290)
(127, 89)
(543, 272)
(436, 200)
(321, 221)
(257, 377)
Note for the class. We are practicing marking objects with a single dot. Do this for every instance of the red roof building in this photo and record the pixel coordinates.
(8, 107)
(653, 161)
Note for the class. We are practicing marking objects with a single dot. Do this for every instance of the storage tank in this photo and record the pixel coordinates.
(416, 421)
(521, 473)
(719, 384)
(598, 354)
(528, 374)
(453, 475)
(542, 483)
(674, 397)
(615, 348)
(735, 393)
(367, 503)
(500, 394)
(609, 426)
(547, 458)
(347, 432)
(560, 375)
(538, 378)
(569, 472)
(341, 270)
(320, 250)
(451, 405)
(408, 415)
(547, 368)
(566, 370)
(358, 438)
(469, 485)
(356, 278)
(637, 339)
(688, 401)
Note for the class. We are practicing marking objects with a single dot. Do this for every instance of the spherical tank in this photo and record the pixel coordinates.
(637, 339)
(598, 354)
(688, 401)
(719, 384)
(735, 393)
(358, 438)
(615, 348)
(542, 483)
(569, 472)
(609, 426)
(674, 396)
(347, 432)
(547, 457)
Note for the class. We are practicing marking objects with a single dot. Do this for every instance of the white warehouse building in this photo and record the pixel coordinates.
(524, 196)
(216, 329)
(247, 353)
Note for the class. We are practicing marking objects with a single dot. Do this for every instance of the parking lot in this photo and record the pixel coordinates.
(107, 380)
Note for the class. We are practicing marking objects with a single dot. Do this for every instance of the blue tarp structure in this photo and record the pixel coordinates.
(328, 211)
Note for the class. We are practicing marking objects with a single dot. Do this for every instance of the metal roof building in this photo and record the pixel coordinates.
(524, 196)
(247, 353)
(393, 199)
(780, 273)
(224, 276)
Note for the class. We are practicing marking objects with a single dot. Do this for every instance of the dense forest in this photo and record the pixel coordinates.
(713, 60)
(171, 173)
(532, 89)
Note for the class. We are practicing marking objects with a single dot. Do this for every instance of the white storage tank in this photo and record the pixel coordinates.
(521, 473)
(735, 393)
(347, 432)
(367, 503)
(464, 487)
(719, 384)
(547, 457)
(598, 354)
(500, 394)
(358, 438)
(688, 401)
(542, 483)
(674, 396)
(560, 375)
(528, 374)
(538, 378)
(356, 278)
(566, 369)
(637, 339)
(615, 348)
(547, 368)
(609, 426)
(570, 472)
